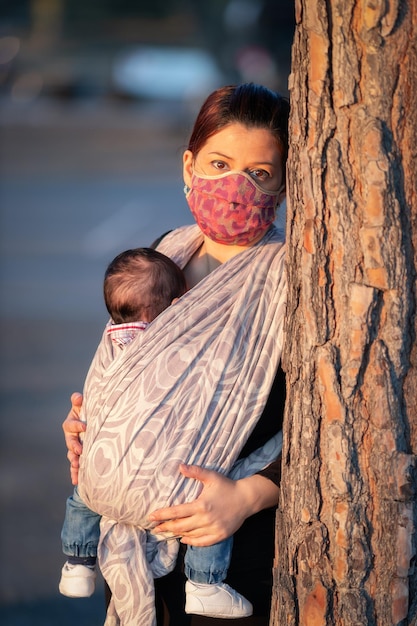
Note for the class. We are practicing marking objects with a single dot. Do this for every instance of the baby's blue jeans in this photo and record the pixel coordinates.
(81, 529)
(210, 564)
(81, 532)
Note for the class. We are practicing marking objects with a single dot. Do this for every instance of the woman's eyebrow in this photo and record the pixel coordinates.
(225, 156)
(220, 154)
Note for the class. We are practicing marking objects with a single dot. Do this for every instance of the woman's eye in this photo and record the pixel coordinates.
(219, 165)
(259, 174)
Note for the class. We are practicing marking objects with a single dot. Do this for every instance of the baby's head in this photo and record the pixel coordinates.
(140, 283)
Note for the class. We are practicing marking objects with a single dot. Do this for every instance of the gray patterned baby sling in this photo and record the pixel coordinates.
(190, 389)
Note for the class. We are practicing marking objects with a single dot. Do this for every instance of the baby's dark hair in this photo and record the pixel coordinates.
(140, 283)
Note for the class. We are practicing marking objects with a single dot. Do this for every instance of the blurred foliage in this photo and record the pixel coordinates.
(68, 47)
(87, 16)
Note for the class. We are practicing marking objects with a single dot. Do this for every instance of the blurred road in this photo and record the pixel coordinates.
(77, 185)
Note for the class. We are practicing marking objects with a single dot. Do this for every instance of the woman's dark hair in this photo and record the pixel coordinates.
(252, 105)
(140, 283)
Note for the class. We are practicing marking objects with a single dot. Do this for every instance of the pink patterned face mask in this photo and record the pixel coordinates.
(231, 208)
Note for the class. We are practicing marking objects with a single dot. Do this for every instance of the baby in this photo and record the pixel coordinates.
(138, 285)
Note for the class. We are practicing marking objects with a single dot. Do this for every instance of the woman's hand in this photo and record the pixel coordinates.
(72, 427)
(220, 509)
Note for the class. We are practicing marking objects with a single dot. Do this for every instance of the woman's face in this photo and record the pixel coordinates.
(236, 147)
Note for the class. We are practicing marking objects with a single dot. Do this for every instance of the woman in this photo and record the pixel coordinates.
(240, 136)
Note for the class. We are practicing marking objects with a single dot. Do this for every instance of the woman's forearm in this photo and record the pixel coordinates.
(258, 493)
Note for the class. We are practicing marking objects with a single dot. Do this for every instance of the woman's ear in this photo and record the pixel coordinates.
(187, 167)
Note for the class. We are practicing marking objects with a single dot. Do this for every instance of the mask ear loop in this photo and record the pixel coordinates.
(187, 189)
(278, 204)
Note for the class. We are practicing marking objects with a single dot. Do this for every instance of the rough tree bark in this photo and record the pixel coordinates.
(346, 528)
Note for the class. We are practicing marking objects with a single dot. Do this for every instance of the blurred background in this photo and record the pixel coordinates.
(97, 100)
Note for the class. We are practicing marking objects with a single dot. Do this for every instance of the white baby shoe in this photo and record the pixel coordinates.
(215, 601)
(77, 581)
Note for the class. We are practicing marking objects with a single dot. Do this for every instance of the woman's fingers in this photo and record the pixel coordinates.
(180, 511)
(73, 458)
(72, 440)
(201, 542)
(193, 530)
(72, 428)
(74, 474)
(206, 520)
(198, 473)
(76, 402)
(188, 509)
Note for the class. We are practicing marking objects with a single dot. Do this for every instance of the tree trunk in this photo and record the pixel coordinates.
(346, 528)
